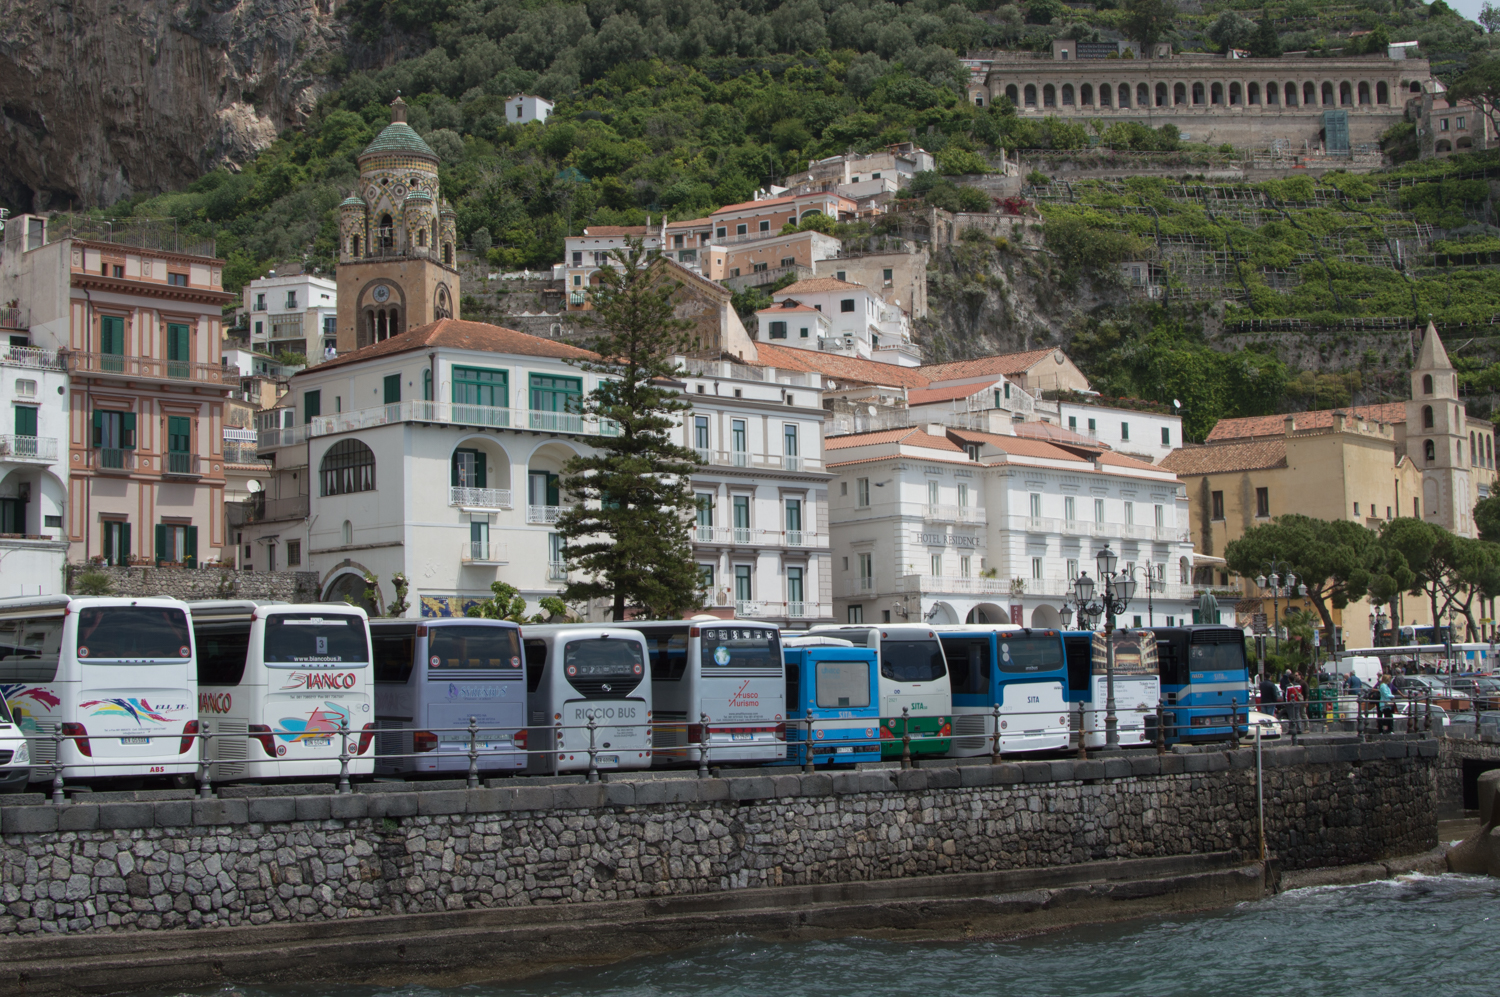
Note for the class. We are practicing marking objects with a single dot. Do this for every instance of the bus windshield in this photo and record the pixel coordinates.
(912, 660)
(843, 684)
(29, 649)
(1020, 653)
(740, 647)
(602, 658)
(133, 632)
(315, 639)
(1216, 657)
(470, 647)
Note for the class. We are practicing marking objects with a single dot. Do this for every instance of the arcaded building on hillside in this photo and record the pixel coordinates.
(1335, 105)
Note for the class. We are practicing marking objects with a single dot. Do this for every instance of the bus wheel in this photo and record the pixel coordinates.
(183, 781)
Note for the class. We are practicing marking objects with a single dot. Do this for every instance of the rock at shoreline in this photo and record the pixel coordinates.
(1479, 853)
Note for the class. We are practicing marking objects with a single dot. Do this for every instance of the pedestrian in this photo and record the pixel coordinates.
(1296, 702)
(1387, 722)
(1269, 695)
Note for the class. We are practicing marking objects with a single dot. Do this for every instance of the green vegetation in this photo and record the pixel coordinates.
(507, 603)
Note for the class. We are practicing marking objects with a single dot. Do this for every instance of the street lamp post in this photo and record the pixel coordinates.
(1377, 625)
(1118, 590)
(1275, 589)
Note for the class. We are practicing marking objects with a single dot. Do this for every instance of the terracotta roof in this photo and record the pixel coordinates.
(1013, 364)
(614, 230)
(1120, 460)
(1215, 458)
(1018, 445)
(927, 396)
(690, 223)
(458, 335)
(1057, 434)
(909, 435)
(1253, 426)
(872, 460)
(786, 307)
(842, 368)
(788, 199)
(815, 284)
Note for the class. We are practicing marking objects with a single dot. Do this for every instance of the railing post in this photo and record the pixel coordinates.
(1161, 727)
(906, 737)
(593, 749)
(473, 752)
(205, 785)
(1427, 721)
(1234, 720)
(703, 746)
(57, 779)
(344, 756)
(807, 745)
(995, 747)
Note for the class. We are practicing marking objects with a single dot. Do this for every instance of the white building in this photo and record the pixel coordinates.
(960, 526)
(523, 108)
(293, 314)
(1139, 433)
(902, 162)
(859, 322)
(33, 464)
(584, 255)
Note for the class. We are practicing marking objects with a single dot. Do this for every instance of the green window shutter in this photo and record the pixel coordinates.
(179, 434)
(453, 469)
(312, 405)
(478, 464)
(427, 385)
(161, 542)
(177, 342)
(111, 334)
(98, 428)
(191, 547)
(25, 420)
(127, 436)
(392, 389)
(125, 549)
(553, 492)
(479, 480)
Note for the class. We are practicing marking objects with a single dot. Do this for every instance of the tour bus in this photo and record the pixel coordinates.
(431, 676)
(730, 670)
(1019, 669)
(277, 682)
(1205, 682)
(577, 673)
(1137, 685)
(115, 676)
(914, 677)
(837, 685)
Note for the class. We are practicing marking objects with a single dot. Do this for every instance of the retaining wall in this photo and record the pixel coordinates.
(205, 583)
(153, 865)
(1460, 762)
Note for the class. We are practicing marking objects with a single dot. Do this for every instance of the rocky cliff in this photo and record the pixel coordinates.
(101, 99)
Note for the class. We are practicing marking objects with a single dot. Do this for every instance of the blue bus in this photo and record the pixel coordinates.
(1137, 686)
(1205, 682)
(1021, 670)
(840, 685)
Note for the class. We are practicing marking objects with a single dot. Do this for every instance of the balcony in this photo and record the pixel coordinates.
(268, 439)
(953, 585)
(443, 413)
(763, 609)
(42, 449)
(484, 552)
(260, 509)
(557, 571)
(30, 356)
(182, 465)
(543, 513)
(744, 536)
(236, 452)
(741, 458)
(479, 498)
(111, 460)
(146, 368)
(954, 514)
(858, 587)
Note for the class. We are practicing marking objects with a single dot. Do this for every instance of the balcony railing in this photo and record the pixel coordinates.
(557, 571)
(30, 356)
(443, 413)
(484, 552)
(954, 514)
(765, 609)
(38, 448)
(111, 460)
(1083, 528)
(479, 498)
(741, 458)
(543, 513)
(260, 509)
(268, 439)
(953, 584)
(182, 465)
(748, 537)
(146, 368)
(237, 452)
(859, 587)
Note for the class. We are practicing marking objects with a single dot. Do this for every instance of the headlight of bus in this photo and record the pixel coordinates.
(23, 754)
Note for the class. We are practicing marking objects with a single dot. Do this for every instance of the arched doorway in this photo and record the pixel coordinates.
(349, 587)
(987, 612)
(941, 613)
(1046, 617)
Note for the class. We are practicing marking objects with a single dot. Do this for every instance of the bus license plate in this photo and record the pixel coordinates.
(317, 742)
(847, 749)
(742, 737)
(135, 740)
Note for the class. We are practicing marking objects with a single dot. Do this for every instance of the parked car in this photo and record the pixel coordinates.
(1268, 725)
(1484, 688)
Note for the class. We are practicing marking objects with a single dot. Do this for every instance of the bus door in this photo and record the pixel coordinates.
(393, 645)
(471, 669)
(317, 664)
(969, 655)
(671, 689)
(742, 690)
(226, 701)
(137, 690)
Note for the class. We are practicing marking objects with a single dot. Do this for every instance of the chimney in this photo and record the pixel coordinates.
(1338, 421)
(1291, 424)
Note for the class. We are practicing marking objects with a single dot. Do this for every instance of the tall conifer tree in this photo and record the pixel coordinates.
(627, 529)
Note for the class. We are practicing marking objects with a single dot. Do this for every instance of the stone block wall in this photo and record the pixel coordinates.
(1456, 754)
(200, 863)
(206, 583)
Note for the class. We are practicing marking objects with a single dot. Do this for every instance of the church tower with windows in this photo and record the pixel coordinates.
(397, 258)
(1437, 439)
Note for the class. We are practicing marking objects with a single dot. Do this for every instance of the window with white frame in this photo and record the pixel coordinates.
(862, 492)
(866, 567)
(1161, 516)
(1036, 568)
(937, 564)
(1098, 510)
(1129, 513)
(1070, 508)
(1072, 568)
(965, 566)
(963, 495)
(1036, 505)
(932, 492)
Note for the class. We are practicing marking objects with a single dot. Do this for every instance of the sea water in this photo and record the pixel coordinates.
(1415, 935)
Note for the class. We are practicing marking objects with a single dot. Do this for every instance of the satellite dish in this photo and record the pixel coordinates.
(872, 410)
(252, 486)
(1176, 403)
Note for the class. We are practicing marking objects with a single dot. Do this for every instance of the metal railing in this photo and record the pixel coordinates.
(557, 571)
(543, 513)
(146, 368)
(30, 356)
(443, 413)
(182, 465)
(42, 448)
(954, 514)
(237, 452)
(479, 498)
(484, 552)
(748, 537)
(111, 459)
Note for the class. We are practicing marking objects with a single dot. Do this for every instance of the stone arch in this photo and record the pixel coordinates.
(1346, 94)
(379, 320)
(1010, 93)
(1236, 93)
(1106, 95)
(987, 612)
(1142, 95)
(1364, 93)
(1309, 94)
(1030, 94)
(1252, 93)
(1291, 95)
(385, 231)
(1416, 87)
(1429, 451)
(497, 463)
(1216, 93)
(346, 581)
(1124, 95)
(1049, 95)
(1161, 95)
(1272, 93)
(1427, 419)
(1443, 145)
(1327, 93)
(1464, 142)
(1426, 384)
(1179, 93)
(1086, 94)
(941, 613)
(1046, 617)
(1067, 94)
(442, 302)
(1198, 93)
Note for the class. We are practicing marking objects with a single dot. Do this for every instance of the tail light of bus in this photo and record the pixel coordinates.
(781, 732)
(520, 739)
(80, 736)
(189, 730)
(886, 731)
(947, 730)
(262, 733)
(695, 733)
(366, 735)
(424, 740)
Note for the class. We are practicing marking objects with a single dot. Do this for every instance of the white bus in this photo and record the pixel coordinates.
(431, 676)
(578, 673)
(913, 677)
(276, 684)
(1020, 670)
(732, 671)
(115, 676)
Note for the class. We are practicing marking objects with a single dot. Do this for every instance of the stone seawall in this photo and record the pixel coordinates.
(204, 583)
(1460, 762)
(229, 861)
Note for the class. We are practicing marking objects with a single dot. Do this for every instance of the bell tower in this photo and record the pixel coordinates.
(398, 266)
(1437, 437)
